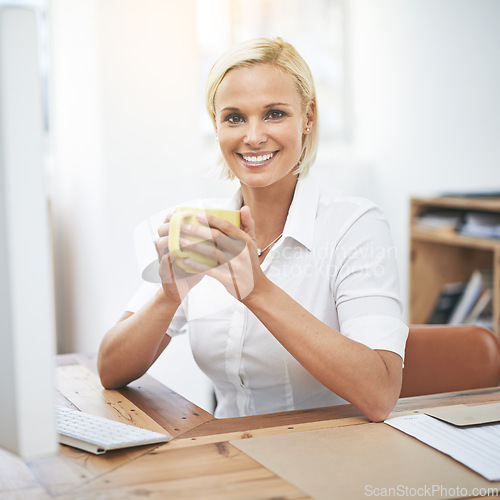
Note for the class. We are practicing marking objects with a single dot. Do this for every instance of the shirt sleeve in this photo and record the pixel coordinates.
(365, 283)
(145, 293)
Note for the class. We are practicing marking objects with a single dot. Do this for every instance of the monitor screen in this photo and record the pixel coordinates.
(27, 324)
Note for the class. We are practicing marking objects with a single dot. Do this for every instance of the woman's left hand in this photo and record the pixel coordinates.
(233, 248)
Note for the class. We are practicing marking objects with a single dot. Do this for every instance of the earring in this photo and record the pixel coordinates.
(308, 129)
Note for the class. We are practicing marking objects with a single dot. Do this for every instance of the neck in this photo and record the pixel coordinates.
(269, 207)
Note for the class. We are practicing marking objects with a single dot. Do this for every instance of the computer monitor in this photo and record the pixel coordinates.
(27, 319)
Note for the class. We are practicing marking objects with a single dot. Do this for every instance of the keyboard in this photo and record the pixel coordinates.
(98, 435)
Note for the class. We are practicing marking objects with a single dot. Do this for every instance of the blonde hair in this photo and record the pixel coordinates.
(284, 56)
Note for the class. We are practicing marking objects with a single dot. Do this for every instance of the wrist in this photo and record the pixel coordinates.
(168, 296)
(259, 295)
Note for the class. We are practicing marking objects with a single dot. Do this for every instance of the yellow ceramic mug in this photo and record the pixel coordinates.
(187, 215)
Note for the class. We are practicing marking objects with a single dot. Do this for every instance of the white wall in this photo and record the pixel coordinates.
(125, 107)
(425, 76)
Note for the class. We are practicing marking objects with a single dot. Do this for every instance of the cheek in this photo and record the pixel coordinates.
(228, 139)
(293, 138)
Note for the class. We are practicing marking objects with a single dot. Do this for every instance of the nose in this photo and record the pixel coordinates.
(255, 133)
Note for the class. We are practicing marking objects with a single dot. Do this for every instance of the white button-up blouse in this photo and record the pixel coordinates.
(336, 259)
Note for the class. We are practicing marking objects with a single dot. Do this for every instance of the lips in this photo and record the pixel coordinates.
(257, 159)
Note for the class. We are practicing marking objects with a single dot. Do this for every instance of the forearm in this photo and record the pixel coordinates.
(350, 369)
(131, 346)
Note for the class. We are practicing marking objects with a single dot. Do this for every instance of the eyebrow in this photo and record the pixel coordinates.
(267, 106)
(272, 105)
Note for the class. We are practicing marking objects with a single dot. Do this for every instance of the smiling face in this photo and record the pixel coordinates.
(260, 124)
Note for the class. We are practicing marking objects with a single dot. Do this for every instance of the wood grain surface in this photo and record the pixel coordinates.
(199, 462)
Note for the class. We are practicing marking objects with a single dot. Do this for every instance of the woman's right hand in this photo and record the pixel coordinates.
(175, 281)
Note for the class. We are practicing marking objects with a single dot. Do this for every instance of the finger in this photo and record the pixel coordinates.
(217, 244)
(203, 248)
(211, 252)
(166, 261)
(229, 247)
(169, 215)
(165, 269)
(222, 225)
(179, 273)
(231, 240)
(199, 232)
(211, 239)
(161, 245)
(164, 229)
(194, 266)
(248, 226)
(214, 238)
(247, 222)
(225, 234)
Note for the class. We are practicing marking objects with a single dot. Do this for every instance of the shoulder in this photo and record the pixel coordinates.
(344, 210)
(338, 199)
(332, 212)
(332, 199)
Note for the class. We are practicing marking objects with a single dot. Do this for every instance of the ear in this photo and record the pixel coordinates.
(310, 116)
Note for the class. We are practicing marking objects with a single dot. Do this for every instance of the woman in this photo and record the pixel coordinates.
(312, 317)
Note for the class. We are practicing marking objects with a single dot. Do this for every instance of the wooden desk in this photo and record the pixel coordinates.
(198, 463)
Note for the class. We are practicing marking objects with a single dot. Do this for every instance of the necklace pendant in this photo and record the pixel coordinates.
(260, 252)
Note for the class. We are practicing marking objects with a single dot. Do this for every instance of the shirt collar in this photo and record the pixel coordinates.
(236, 201)
(302, 214)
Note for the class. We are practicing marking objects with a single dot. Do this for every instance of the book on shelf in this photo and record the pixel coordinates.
(447, 300)
(440, 219)
(488, 193)
(482, 309)
(481, 225)
(479, 281)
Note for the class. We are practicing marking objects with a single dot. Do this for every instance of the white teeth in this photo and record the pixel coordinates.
(257, 159)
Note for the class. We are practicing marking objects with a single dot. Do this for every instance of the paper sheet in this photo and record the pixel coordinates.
(463, 415)
(476, 447)
(367, 460)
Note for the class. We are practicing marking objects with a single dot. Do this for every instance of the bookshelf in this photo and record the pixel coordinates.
(441, 255)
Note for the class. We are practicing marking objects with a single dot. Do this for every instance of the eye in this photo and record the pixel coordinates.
(234, 118)
(276, 114)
